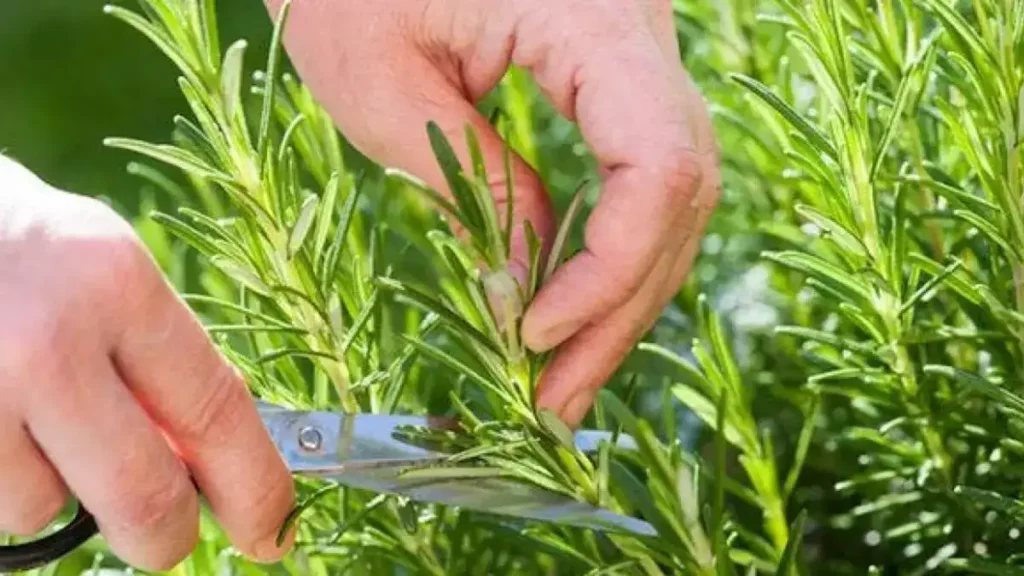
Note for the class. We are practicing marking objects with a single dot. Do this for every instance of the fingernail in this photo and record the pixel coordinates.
(270, 552)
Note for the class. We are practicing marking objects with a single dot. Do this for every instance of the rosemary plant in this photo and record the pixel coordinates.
(873, 208)
(887, 140)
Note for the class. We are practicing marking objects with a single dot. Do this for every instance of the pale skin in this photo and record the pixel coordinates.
(109, 387)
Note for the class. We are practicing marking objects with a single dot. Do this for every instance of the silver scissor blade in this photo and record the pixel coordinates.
(361, 440)
(364, 451)
(324, 443)
(496, 496)
(588, 441)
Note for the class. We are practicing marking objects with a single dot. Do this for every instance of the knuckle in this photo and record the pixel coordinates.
(218, 410)
(150, 504)
(680, 169)
(125, 265)
(28, 349)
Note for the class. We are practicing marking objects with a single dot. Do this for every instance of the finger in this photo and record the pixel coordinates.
(399, 94)
(585, 363)
(198, 399)
(582, 365)
(116, 462)
(33, 493)
(649, 136)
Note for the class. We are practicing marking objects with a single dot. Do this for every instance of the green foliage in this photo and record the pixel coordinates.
(849, 399)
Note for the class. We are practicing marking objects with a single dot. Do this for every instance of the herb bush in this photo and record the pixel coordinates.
(834, 391)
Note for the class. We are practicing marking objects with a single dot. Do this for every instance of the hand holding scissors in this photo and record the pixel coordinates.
(367, 451)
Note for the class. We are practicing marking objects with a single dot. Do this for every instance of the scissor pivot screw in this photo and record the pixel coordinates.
(310, 439)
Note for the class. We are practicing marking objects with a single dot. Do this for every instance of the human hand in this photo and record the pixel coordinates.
(384, 69)
(109, 387)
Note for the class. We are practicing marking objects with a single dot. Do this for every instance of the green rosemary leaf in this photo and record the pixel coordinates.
(454, 364)
(240, 274)
(237, 328)
(558, 429)
(619, 568)
(692, 377)
(857, 316)
(620, 411)
(561, 238)
(987, 228)
(787, 112)
(982, 567)
(723, 566)
(475, 154)
(956, 25)
(275, 355)
(302, 225)
(208, 28)
(980, 385)
(990, 499)
(194, 237)
(707, 412)
(430, 304)
(291, 133)
(803, 446)
(469, 211)
(453, 473)
(263, 138)
(487, 450)
(231, 79)
(838, 342)
(641, 499)
(246, 312)
(200, 103)
(325, 216)
(957, 282)
(493, 246)
(159, 180)
(182, 159)
(844, 238)
(906, 93)
(293, 516)
(533, 244)
(825, 272)
(189, 137)
(949, 190)
(510, 197)
(788, 564)
(355, 519)
(922, 292)
(421, 187)
(332, 258)
(714, 334)
(359, 324)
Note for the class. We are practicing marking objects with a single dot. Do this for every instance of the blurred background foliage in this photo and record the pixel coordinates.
(71, 75)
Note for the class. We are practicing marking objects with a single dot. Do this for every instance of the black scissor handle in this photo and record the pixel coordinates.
(39, 553)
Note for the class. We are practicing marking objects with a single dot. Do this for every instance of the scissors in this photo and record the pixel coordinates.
(367, 451)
